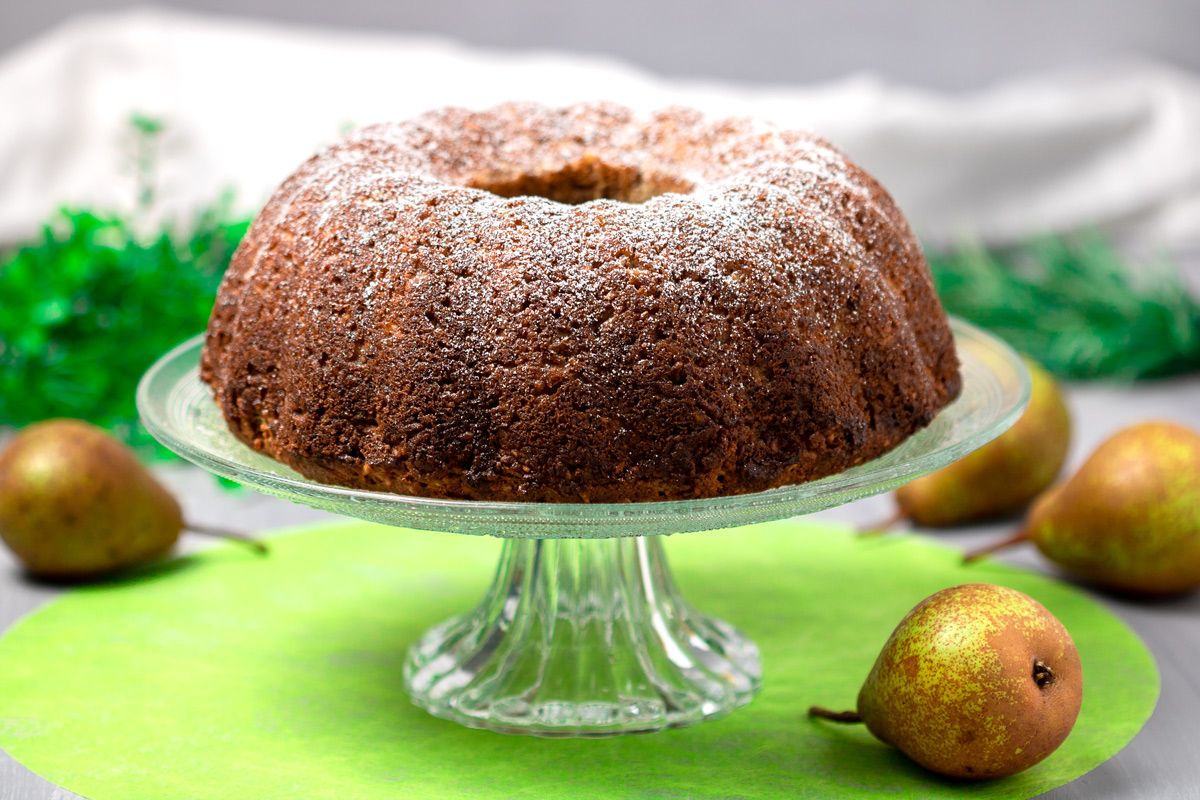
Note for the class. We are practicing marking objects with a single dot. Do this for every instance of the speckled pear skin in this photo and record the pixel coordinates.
(76, 503)
(1129, 519)
(955, 689)
(1004, 475)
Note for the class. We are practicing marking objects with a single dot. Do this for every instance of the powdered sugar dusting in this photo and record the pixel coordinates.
(524, 342)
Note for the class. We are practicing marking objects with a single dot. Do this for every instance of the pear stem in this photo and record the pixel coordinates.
(884, 525)
(834, 716)
(1022, 535)
(223, 533)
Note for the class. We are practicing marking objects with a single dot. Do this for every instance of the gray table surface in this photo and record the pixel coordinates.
(1160, 764)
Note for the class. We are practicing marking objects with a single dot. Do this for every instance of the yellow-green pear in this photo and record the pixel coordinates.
(76, 503)
(1129, 519)
(978, 681)
(1004, 475)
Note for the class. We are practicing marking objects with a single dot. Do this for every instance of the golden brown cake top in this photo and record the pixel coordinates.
(578, 303)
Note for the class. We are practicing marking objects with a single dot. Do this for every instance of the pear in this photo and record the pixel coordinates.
(1129, 519)
(76, 503)
(1004, 475)
(978, 681)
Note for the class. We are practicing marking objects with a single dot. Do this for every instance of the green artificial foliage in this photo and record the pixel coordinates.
(88, 307)
(85, 311)
(1074, 304)
(146, 132)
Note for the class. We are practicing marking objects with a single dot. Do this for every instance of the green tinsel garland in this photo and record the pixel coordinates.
(1075, 305)
(87, 309)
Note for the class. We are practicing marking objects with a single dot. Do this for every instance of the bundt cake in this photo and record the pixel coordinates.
(578, 305)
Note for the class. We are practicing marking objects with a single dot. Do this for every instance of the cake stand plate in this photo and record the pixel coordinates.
(583, 632)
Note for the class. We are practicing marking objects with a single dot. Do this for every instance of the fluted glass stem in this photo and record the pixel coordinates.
(582, 637)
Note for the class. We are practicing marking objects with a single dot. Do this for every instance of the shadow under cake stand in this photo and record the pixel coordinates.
(583, 632)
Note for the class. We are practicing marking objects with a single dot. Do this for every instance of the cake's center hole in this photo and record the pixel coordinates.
(589, 178)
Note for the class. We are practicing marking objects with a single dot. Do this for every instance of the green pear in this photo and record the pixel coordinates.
(76, 503)
(1129, 519)
(1004, 475)
(978, 681)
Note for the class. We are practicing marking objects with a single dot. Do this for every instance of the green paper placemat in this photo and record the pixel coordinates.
(231, 677)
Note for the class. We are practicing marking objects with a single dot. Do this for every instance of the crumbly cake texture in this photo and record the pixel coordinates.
(578, 305)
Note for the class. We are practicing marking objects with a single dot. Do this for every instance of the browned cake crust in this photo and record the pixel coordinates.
(578, 305)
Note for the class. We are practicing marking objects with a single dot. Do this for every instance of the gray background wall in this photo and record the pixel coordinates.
(947, 45)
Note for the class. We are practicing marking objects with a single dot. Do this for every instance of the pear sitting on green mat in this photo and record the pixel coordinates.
(978, 681)
(1129, 519)
(1004, 475)
(76, 503)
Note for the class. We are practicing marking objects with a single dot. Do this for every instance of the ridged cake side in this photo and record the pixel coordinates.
(391, 322)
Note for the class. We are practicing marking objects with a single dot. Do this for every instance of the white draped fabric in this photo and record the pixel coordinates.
(1117, 145)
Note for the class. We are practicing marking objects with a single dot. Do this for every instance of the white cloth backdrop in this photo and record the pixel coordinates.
(1117, 145)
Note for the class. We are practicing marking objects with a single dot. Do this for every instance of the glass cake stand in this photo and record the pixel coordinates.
(583, 632)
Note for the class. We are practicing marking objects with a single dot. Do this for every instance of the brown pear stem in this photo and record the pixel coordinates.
(223, 533)
(1022, 535)
(834, 716)
(884, 525)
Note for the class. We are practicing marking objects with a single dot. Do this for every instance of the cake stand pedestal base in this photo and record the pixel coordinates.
(582, 637)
